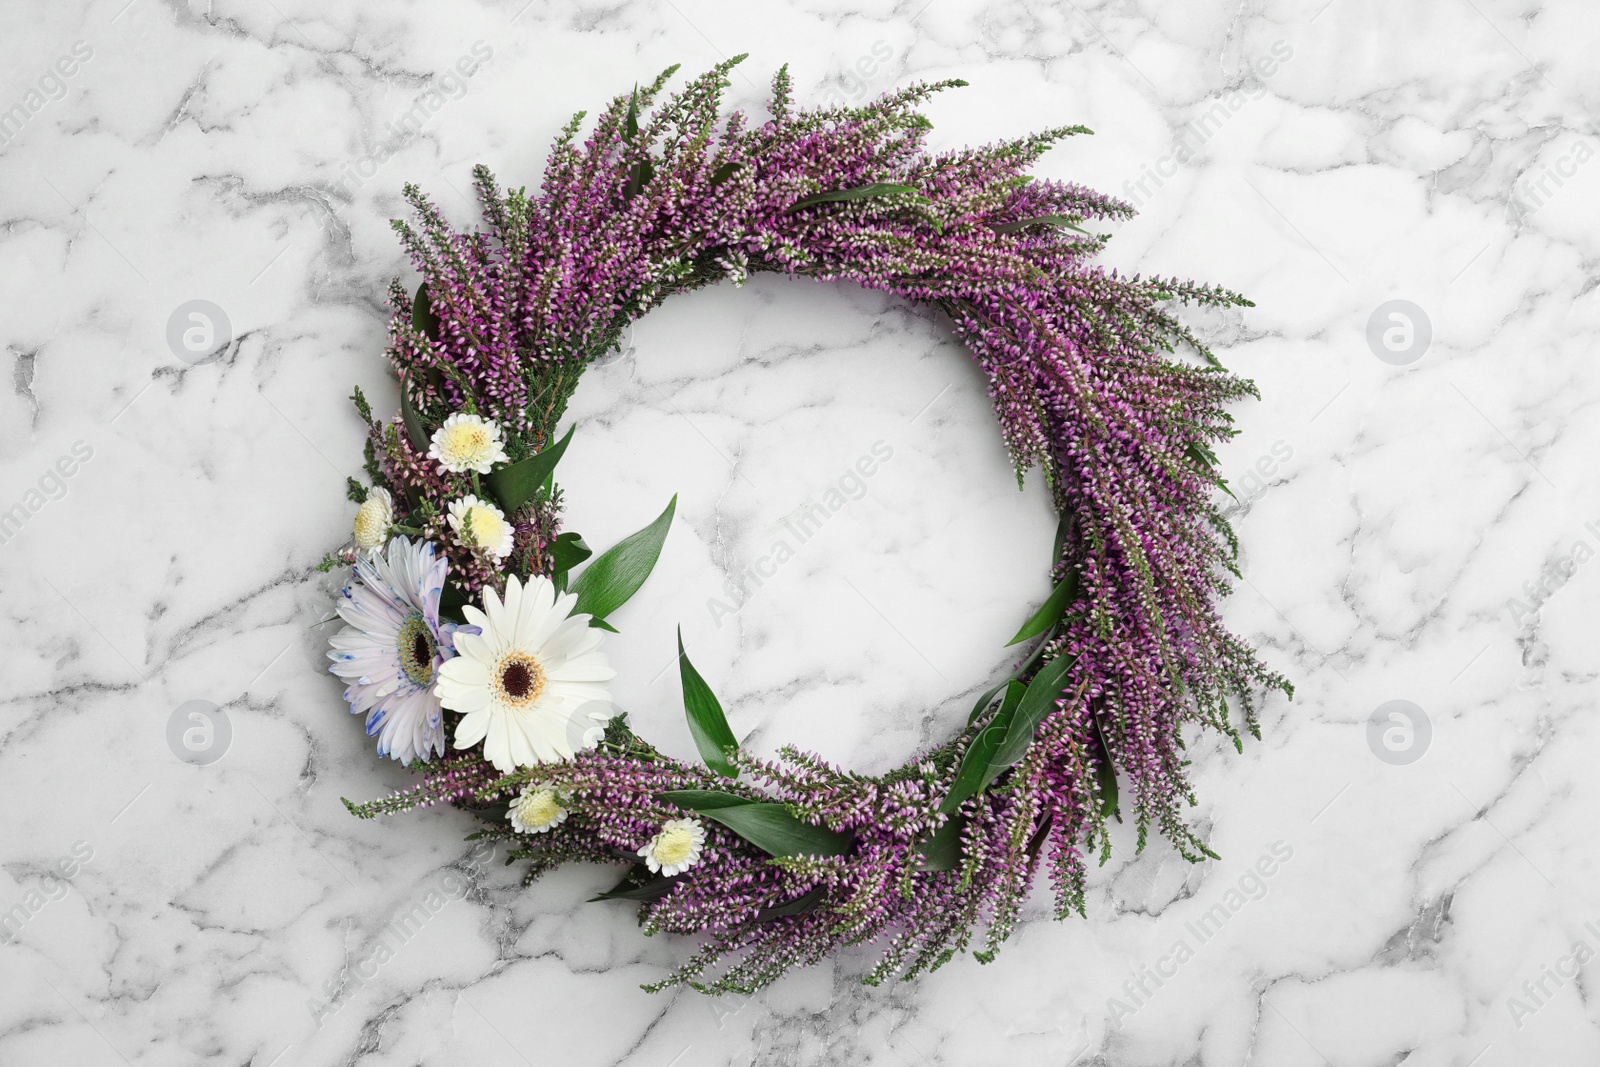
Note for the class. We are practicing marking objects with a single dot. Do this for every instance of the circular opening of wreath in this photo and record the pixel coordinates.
(476, 626)
(850, 547)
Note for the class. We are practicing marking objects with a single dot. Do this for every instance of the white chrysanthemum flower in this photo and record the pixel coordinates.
(536, 811)
(489, 528)
(531, 684)
(373, 519)
(467, 443)
(676, 848)
(390, 651)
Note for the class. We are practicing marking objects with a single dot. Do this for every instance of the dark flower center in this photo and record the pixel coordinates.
(517, 680)
(416, 648)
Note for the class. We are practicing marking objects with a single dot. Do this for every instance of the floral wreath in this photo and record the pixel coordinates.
(475, 624)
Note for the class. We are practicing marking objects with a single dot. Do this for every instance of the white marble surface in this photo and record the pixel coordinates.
(1414, 532)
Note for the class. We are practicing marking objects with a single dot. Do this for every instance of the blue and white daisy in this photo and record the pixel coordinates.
(391, 650)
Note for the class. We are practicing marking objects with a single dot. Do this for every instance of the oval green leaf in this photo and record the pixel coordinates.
(607, 583)
(569, 550)
(1021, 672)
(422, 316)
(516, 484)
(1038, 702)
(408, 413)
(638, 884)
(798, 906)
(942, 850)
(975, 763)
(707, 724)
(566, 552)
(860, 192)
(702, 799)
(1041, 220)
(1050, 612)
(772, 829)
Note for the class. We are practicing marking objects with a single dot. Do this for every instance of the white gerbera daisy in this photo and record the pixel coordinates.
(531, 684)
(676, 848)
(373, 519)
(489, 528)
(393, 645)
(536, 811)
(467, 443)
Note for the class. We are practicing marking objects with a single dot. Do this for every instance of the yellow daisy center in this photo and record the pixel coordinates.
(518, 679)
(487, 527)
(372, 522)
(674, 845)
(538, 809)
(467, 443)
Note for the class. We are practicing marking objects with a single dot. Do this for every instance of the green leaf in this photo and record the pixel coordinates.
(702, 799)
(516, 484)
(860, 192)
(422, 316)
(709, 726)
(1201, 453)
(451, 600)
(970, 779)
(567, 551)
(984, 701)
(1021, 672)
(1002, 742)
(630, 125)
(638, 884)
(1050, 612)
(413, 421)
(638, 177)
(770, 827)
(1041, 220)
(493, 814)
(1207, 460)
(723, 173)
(607, 583)
(766, 825)
(798, 906)
(1063, 527)
(1106, 775)
(1038, 702)
(942, 850)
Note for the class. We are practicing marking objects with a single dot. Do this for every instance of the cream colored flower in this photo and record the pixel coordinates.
(489, 528)
(373, 519)
(467, 443)
(536, 811)
(676, 848)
